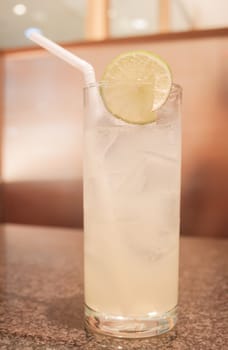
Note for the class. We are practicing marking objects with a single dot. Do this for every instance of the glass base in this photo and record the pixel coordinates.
(129, 327)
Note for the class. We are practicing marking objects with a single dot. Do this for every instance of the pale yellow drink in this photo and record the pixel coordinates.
(131, 200)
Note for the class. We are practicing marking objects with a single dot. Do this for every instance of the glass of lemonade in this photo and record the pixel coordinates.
(131, 206)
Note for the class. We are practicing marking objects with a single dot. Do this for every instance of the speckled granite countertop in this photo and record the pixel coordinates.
(41, 294)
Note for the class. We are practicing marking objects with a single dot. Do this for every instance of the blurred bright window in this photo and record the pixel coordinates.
(129, 18)
(61, 20)
(77, 20)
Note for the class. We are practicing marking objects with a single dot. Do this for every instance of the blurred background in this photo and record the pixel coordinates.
(41, 101)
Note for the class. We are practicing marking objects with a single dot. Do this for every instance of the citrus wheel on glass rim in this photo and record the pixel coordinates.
(136, 84)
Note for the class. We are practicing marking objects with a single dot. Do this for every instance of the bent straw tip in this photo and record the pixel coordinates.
(29, 31)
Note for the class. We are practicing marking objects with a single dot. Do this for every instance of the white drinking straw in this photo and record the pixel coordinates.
(85, 67)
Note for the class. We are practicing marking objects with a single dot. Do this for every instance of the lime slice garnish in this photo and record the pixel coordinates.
(134, 85)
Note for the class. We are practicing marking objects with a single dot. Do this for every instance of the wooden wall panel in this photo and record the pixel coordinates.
(97, 21)
(1, 128)
(53, 202)
(44, 116)
(164, 16)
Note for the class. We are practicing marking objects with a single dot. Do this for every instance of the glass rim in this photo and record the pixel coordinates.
(175, 88)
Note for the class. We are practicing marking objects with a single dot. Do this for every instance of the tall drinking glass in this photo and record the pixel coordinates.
(131, 217)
